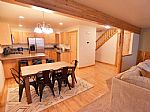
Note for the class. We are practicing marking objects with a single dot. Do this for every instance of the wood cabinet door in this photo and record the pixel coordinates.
(73, 45)
(5, 34)
(65, 57)
(16, 38)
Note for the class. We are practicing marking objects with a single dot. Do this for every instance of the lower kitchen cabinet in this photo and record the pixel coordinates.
(65, 56)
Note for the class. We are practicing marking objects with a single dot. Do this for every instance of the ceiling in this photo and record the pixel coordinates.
(136, 12)
(9, 13)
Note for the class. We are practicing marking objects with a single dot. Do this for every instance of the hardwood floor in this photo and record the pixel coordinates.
(96, 75)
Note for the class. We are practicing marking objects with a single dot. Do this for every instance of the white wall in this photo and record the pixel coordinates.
(86, 46)
(107, 52)
(85, 51)
(129, 61)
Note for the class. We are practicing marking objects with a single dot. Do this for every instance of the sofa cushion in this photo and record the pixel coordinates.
(138, 80)
(134, 71)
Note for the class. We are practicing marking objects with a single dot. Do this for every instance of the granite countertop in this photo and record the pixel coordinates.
(21, 56)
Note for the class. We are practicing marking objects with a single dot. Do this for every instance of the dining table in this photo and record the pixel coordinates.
(32, 70)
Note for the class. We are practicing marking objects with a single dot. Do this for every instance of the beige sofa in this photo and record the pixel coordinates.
(131, 92)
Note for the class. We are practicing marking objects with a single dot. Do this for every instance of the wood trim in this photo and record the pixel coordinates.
(105, 63)
(126, 55)
(119, 50)
(143, 55)
(78, 10)
(1, 93)
(86, 66)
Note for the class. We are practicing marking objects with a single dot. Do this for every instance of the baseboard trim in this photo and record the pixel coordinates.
(87, 66)
(105, 63)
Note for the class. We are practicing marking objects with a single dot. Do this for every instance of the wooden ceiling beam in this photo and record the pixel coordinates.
(75, 9)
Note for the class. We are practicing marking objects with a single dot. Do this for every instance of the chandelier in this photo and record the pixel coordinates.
(43, 28)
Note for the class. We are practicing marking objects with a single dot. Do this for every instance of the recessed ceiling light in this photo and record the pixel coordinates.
(42, 9)
(107, 26)
(21, 17)
(20, 25)
(60, 23)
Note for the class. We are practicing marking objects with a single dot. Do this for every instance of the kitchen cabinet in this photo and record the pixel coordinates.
(64, 38)
(51, 38)
(17, 37)
(65, 56)
(21, 37)
(5, 34)
(50, 53)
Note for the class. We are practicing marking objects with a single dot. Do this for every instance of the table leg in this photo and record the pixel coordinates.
(27, 90)
(73, 79)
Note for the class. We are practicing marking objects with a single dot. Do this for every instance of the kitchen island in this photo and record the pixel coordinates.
(11, 61)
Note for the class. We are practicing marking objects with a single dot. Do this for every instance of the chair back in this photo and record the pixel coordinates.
(75, 63)
(36, 61)
(16, 76)
(46, 76)
(57, 73)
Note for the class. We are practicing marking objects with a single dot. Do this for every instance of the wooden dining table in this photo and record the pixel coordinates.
(28, 71)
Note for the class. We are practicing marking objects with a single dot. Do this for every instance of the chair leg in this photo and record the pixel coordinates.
(20, 92)
(68, 83)
(52, 88)
(59, 85)
(41, 87)
(35, 87)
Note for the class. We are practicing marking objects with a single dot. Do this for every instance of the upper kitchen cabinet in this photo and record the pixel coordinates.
(21, 37)
(5, 35)
(51, 38)
(64, 38)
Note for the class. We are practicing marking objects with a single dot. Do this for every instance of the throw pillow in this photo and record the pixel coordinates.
(145, 73)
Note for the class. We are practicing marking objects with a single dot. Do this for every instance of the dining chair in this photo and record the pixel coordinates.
(22, 63)
(45, 81)
(57, 76)
(65, 76)
(20, 81)
(72, 69)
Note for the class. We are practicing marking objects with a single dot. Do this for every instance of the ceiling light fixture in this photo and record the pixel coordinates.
(21, 17)
(60, 23)
(20, 25)
(43, 28)
(107, 26)
(42, 9)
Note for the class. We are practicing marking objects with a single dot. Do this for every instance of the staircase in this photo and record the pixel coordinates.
(105, 37)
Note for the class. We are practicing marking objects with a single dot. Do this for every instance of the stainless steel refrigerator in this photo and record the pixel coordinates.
(36, 45)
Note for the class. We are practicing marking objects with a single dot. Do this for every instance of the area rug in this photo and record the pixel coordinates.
(102, 104)
(48, 100)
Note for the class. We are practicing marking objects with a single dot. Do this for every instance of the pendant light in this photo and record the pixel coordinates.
(43, 28)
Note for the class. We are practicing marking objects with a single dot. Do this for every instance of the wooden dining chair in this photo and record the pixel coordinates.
(20, 81)
(45, 81)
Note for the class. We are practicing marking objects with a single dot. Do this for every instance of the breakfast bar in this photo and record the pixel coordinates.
(11, 61)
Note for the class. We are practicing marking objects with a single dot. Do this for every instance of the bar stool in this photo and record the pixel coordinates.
(22, 63)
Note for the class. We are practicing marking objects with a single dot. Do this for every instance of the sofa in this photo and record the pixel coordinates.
(130, 90)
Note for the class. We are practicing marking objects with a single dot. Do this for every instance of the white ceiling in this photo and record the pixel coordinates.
(9, 13)
(136, 12)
